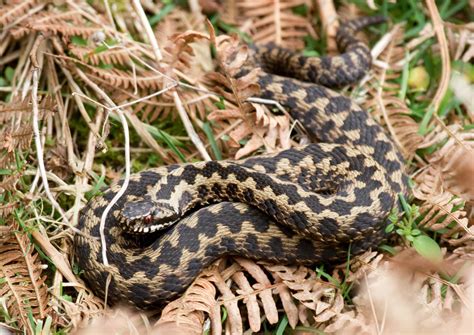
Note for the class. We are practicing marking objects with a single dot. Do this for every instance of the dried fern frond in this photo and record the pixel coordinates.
(11, 110)
(62, 29)
(11, 140)
(126, 80)
(451, 166)
(178, 21)
(23, 282)
(47, 17)
(15, 9)
(251, 291)
(18, 134)
(271, 21)
(455, 159)
(56, 22)
(257, 125)
(187, 314)
(445, 214)
(114, 55)
(85, 308)
(446, 184)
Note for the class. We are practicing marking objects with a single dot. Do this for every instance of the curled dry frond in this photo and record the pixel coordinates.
(187, 314)
(445, 213)
(22, 284)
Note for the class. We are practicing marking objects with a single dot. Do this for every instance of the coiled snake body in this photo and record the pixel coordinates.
(300, 206)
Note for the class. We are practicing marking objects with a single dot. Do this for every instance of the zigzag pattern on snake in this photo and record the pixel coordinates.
(304, 205)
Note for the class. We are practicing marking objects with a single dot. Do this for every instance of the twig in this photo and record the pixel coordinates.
(277, 21)
(109, 14)
(446, 65)
(328, 15)
(379, 97)
(127, 104)
(37, 66)
(189, 127)
(148, 30)
(372, 307)
(58, 259)
(438, 27)
(139, 126)
(126, 179)
(195, 7)
(177, 100)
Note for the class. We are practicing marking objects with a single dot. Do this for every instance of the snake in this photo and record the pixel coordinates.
(307, 205)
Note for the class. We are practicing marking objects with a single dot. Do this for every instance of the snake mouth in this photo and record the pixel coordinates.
(151, 224)
(146, 216)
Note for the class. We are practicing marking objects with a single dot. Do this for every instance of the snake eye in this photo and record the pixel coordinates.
(154, 212)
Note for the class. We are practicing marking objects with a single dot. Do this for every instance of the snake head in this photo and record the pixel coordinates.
(145, 216)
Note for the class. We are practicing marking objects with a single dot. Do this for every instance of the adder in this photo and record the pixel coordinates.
(306, 205)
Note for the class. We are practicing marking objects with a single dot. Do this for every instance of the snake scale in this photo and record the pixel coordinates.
(304, 205)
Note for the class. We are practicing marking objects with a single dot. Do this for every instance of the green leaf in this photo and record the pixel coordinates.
(393, 217)
(3, 82)
(67, 297)
(423, 129)
(428, 248)
(168, 139)
(9, 73)
(301, 10)
(224, 314)
(220, 104)
(391, 250)
(212, 140)
(6, 172)
(416, 232)
(405, 205)
(161, 14)
(282, 326)
(78, 40)
(101, 48)
(96, 190)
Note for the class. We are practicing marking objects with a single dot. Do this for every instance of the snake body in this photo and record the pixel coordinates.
(303, 205)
